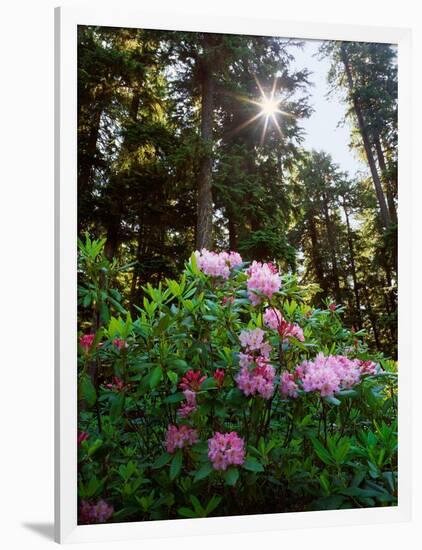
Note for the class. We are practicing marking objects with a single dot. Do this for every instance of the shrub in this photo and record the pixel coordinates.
(226, 394)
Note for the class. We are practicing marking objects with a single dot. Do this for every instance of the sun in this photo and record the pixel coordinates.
(269, 106)
(269, 110)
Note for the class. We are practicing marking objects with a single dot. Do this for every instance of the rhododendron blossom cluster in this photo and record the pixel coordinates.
(86, 341)
(190, 404)
(293, 330)
(117, 384)
(82, 436)
(192, 380)
(225, 450)
(119, 343)
(274, 319)
(288, 385)
(217, 264)
(262, 278)
(367, 367)
(256, 374)
(219, 377)
(253, 342)
(258, 380)
(177, 438)
(328, 375)
(99, 512)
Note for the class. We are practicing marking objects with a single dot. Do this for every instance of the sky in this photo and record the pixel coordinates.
(323, 131)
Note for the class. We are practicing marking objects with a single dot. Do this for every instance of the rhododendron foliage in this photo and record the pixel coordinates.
(227, 393)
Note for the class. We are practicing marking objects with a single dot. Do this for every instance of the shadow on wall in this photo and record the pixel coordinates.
(45, 530)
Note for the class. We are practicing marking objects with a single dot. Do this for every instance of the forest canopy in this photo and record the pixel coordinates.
(193, 140)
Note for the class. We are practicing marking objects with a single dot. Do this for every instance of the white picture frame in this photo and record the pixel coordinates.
(66, 22)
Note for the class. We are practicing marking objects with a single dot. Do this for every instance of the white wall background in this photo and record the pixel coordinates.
(26, 270)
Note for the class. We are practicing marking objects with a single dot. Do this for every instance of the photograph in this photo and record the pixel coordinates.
(237, 261)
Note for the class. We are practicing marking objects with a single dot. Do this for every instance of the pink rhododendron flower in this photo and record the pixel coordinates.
(192, 380)
(258, 380)
(263, 278)
(367, 367)
(327, 375)
(117, 384)
(120, 343)
(225, 450)
(86, 341)
(177, 438)
(253, 341)
(272, 318)
(219, 377)
(288, 385)
(229, 299)
(286, 330)
(189, 406)
(82, 436)
(256, 375)
(217, 264)
(99, 512)
(233, 259)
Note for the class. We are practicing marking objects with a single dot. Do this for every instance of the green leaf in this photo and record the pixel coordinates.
(186, 512)
(88, 392)
(212, 504)
(176, 464)
(155, 377)
(203, 472)
(172, 376)
(197, 505)
(347, 393)
(231, 475)
(210, 318)
(94, 447)
(321, 451)
(325, 484)
(209, 384)
(116, 407)
(332, 400)
(253, 465)
(174, 398)
(162, 460)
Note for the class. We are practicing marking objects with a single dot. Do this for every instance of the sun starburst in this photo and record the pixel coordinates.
(269, 110)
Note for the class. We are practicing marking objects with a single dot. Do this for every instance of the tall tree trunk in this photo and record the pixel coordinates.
(385, 216)
(372, 319)
(385, 177)
(332, 246)
(316, 256)
(232, 232)
(87, 162)
(114, 236)
(204, 202)
(353, 266)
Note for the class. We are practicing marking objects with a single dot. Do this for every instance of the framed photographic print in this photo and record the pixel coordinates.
(232, 221)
